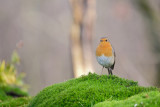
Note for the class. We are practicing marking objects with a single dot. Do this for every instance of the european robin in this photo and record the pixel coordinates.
(105, 55)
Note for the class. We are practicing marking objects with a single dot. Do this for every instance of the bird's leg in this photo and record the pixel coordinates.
(102, 70)
(109, 71)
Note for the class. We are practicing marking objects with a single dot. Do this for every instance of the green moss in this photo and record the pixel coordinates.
(15, 102)
(7, 92)
(87, 91)
(12, 96)
(146, 99)
(13, 91)
(3, 95)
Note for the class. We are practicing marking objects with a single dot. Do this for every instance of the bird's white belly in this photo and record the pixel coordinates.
(105, 61)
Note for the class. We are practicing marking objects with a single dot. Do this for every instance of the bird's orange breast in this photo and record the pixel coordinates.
(104, 48)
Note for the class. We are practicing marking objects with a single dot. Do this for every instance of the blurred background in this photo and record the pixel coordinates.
(56, 39)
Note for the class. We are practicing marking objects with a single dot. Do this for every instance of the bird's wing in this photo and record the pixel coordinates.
(112, 67)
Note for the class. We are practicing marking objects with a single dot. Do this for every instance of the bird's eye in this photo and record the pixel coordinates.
(106, 40)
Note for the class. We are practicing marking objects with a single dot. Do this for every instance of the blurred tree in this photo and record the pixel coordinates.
(81, 35)
(153, 24)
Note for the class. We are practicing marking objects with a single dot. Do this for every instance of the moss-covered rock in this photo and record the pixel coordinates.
(145, 99)
(13, 91)
(87, 91)
(15, 102)
(12, 96)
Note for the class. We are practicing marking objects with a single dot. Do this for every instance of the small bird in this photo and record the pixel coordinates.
(105, 55)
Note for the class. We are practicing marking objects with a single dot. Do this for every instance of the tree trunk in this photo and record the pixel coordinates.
(81, 36)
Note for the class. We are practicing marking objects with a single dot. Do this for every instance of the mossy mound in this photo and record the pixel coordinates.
(15, 102)
(146, 99)
(7, 92)
(87, 91)
(12, 96)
